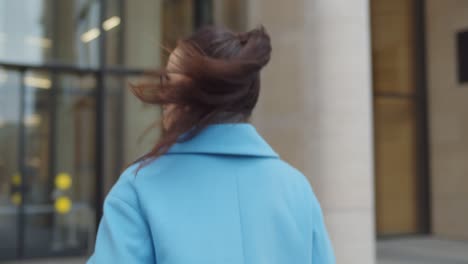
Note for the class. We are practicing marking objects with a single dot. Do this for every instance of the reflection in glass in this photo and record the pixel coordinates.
(57, 123)
(59, 163)
(74, 152)
(142, 28)
(10, 180)
(177, 21)
(230, 13)
(36, 161)
(114, 115)
(25, 34)
(45, 31)
(68, 32)
(114, 32)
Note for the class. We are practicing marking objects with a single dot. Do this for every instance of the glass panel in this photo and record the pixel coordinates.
(10, 179)
(114, 33)
(129, 125)
(203, 13)
(114, 115)
(37, 157)
(231, 13)
(84, 31)
(25, 31)
(145, 25)
(75, 141)
(177, 20)
(142, 36)
(141, 125)
(43, 31)
(397, 181)
(60, 148)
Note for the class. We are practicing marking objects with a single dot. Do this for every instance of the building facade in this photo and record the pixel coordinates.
(68, 123)
(367, 98)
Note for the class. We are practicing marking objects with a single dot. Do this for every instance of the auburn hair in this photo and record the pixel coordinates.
(221, 71)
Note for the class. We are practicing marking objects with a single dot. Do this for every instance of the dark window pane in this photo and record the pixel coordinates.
(203, 13)
(462, 46)
(113, 129)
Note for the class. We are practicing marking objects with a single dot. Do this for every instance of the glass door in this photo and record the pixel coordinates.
(47, 163)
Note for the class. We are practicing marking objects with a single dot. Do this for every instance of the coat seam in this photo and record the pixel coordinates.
(240, 219)
(145, 219)
(122, 201)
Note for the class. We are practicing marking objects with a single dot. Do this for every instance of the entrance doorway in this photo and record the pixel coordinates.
(47, 159)
(400, 112)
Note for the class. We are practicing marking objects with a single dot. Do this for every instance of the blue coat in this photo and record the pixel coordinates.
(224, 197)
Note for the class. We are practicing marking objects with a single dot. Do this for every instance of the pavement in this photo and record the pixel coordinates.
(79, 260)
(421, 250)
(403, 250)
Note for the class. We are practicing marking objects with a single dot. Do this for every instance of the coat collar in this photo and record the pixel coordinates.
(240, 139)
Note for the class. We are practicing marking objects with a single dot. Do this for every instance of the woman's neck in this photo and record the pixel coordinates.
(229, 117)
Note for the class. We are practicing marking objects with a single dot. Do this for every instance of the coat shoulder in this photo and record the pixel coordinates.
(293, 174)
(301, 185)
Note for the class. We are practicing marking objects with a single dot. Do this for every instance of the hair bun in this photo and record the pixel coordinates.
(257, 46)
(243, 37)
(217, 71)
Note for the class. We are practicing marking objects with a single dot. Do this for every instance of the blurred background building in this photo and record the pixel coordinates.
(367, 97)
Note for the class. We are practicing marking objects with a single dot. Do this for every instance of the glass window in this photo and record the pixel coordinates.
(131, 127)
(203, 13)
(113, 129)
(60, 163)
(48, 113)
(68, 32)
(48, 31)
(113, 27)
(142, 33)
(37, 160)
(147, 25)
(230, 13)
(25, 34)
